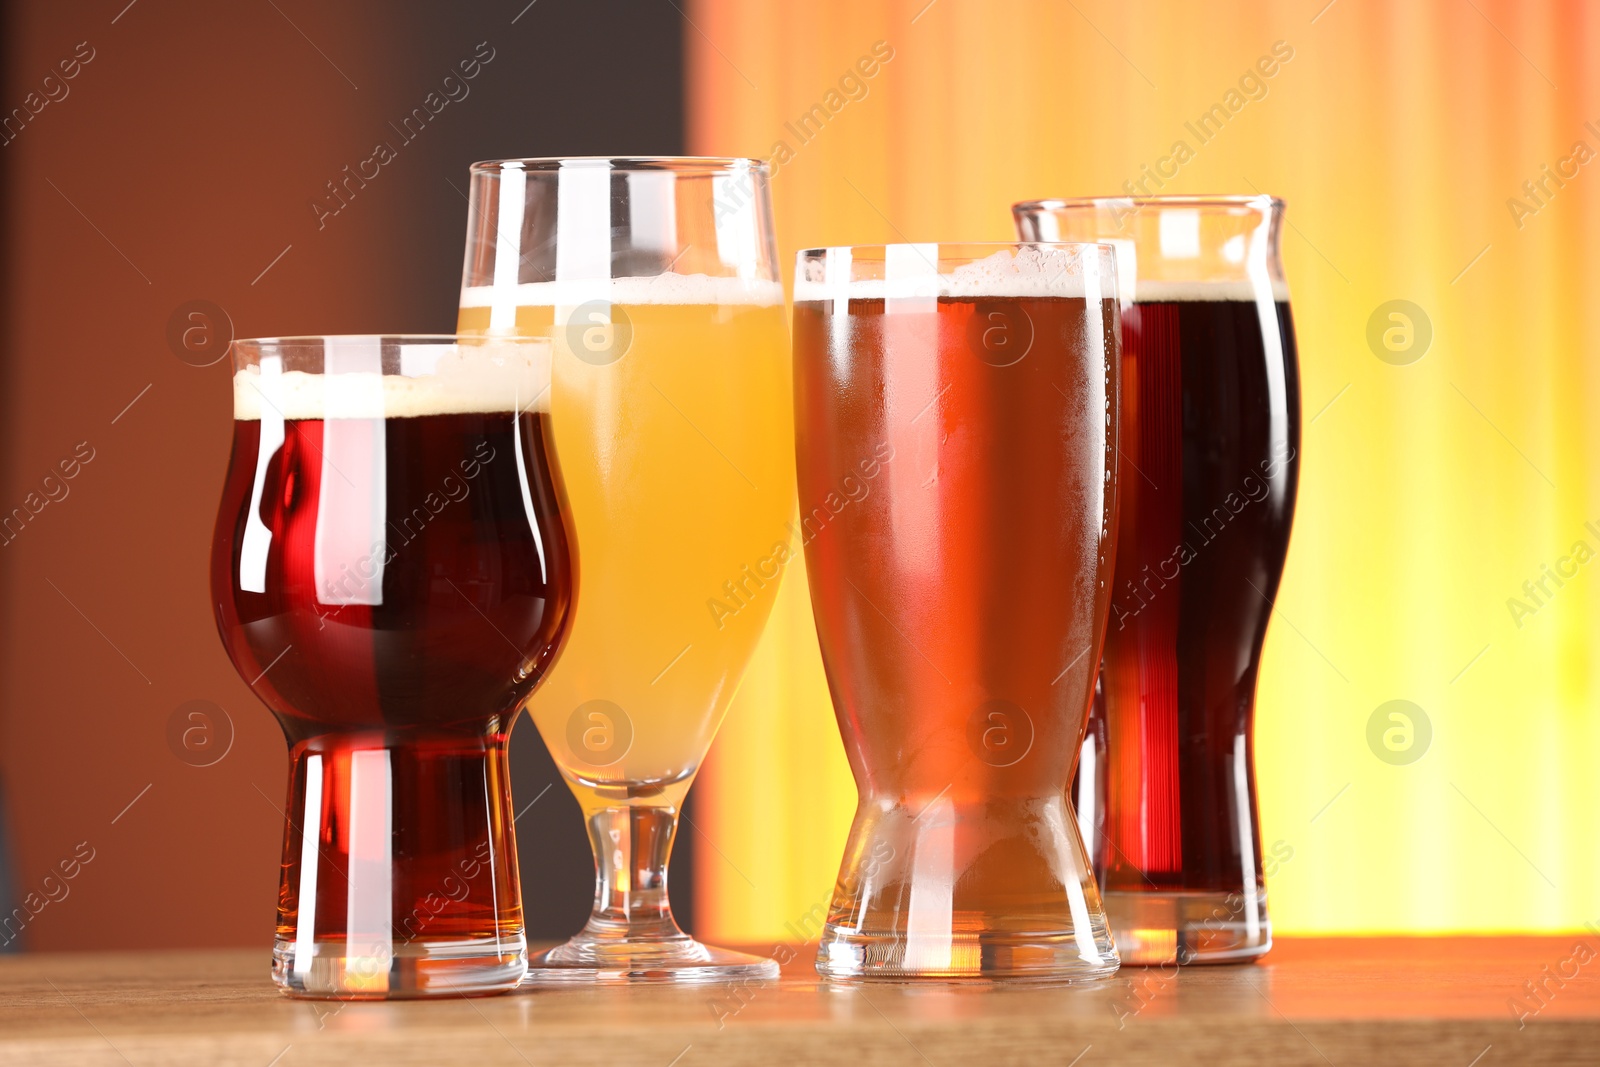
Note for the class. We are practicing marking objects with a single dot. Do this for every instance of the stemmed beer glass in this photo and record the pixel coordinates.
(657, 283)
(391, 576)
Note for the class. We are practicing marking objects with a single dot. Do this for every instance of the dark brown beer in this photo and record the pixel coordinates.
(1211, 433)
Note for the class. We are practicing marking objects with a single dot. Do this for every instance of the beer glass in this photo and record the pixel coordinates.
(1211, 442)
(391, 576)
(656, 280)
(956, 411)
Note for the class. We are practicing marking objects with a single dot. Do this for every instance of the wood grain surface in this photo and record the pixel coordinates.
(1325, 1001)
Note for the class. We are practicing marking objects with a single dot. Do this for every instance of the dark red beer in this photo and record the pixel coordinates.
(1211, 433)
(393, 589)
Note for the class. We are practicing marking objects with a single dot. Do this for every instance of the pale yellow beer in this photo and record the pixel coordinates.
(672, 424)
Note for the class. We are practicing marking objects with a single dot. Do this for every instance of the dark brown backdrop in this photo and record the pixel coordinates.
(180, 163)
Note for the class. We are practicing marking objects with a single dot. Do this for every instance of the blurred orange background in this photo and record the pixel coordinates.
(1434, 484)
(1443, 484)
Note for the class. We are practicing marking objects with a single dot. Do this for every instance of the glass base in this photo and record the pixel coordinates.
(587, 959)
(1186, 927)
(970, 890)
(414, 969)
(1054, 958)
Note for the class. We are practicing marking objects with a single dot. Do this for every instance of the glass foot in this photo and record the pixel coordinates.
(631, 936)
(1046, 957)
(464, 967)
(969, 890)
(586, 959)
(1154, 928)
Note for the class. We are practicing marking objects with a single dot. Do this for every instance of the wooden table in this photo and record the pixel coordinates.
(1340, 1001)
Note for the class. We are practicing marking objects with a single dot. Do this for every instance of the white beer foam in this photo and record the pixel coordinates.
(477, 379)
(1154, 291)
(1030, 271)
(666, 288)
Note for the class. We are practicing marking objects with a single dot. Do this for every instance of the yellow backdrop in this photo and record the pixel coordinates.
(1436, 480)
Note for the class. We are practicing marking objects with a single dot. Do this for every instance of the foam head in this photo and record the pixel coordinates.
(487, 376)
(912, 272)
(665, 288)
(1165, 291)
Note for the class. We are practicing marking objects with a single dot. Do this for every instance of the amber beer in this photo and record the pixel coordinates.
(961, 599)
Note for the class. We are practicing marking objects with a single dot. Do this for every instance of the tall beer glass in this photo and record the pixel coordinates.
(1211, 445)
(391, 576)
(657, 283)
(956, 410)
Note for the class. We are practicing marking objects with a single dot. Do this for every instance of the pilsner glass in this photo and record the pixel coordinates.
(1212, 433)
(657, 282)
(391, 576)
(956, 410)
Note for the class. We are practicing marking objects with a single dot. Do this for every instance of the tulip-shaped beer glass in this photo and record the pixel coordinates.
(391, 576)
(1212, 435)
(956, 411)
(656, 281)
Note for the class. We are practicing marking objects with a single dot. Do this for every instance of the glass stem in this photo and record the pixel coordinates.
(631, 849)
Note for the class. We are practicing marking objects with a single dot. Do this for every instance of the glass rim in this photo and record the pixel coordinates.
(982, 247)
(624, 164)
(1199, 200)
(394, 338)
